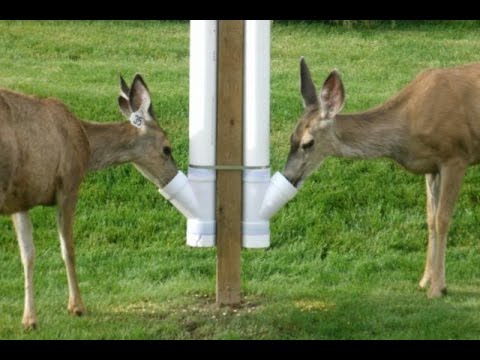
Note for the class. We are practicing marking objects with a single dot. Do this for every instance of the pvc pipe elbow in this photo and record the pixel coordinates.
(271, 195)
(279, 192)
(186, 194)
(179, 192)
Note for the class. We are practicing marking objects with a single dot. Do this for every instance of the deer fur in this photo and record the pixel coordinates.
(46, 152)
(431, 127)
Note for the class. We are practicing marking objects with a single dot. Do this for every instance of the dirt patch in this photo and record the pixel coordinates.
(197, 306)
(205, 304)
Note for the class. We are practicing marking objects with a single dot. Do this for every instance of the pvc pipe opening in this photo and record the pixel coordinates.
(279, 192)
(179, 192)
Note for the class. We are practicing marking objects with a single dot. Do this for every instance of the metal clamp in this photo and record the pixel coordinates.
(228, 167)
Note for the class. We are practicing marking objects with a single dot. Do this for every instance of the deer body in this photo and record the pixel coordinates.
(431, 127)
(45, 153)
(33, 130)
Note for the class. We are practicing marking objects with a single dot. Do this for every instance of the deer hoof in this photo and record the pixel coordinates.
(77, 310)
(437, 293)
(29, 324)
(424, 282)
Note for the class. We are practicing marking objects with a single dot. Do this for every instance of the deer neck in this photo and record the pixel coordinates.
(379, 132)
(110, 144)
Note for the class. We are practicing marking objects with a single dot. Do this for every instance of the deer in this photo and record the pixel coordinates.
(46, 152)
(430, 127)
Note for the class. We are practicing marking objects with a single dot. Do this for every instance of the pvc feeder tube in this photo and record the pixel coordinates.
(202, 92)
(202, 129)
(256, 100)
(194, 196)
(256, 128)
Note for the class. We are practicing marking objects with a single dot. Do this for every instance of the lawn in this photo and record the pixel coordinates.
(346, 254)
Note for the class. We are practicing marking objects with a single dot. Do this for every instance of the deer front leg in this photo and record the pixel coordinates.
(433, 190)
(451, 176)
(23, 228)
(66, 212)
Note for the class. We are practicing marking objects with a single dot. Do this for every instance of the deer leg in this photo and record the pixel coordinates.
(450, 182)
(23, 228)
(433, 189)
(66, 212)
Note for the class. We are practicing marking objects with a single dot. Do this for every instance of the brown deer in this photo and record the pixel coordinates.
(430, 127)
(45, 153)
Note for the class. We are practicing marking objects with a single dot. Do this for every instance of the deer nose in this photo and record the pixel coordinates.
(296, 179)
(290, 177)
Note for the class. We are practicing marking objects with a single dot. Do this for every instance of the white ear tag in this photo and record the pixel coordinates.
(136, 119)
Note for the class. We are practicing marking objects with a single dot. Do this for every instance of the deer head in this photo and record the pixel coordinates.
(149, 150)
(313, 138)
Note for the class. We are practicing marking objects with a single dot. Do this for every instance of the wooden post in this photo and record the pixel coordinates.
(229, 152)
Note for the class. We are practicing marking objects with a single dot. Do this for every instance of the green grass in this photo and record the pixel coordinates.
(347, 252)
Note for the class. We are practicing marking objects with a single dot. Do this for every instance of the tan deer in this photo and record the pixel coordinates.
(45, 153)
(430, 127)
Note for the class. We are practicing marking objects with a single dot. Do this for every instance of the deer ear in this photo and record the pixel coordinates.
(139, 96)
(332, 97)
(124, 89)
(124, 106)
(307, 87)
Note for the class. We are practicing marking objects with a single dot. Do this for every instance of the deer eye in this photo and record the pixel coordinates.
(167, 150)
(308, 145)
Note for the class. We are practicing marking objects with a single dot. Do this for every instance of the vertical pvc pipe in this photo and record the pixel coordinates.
(257, 90)
(256, 154)
(202, 129)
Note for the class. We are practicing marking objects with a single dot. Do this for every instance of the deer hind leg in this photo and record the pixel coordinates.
(451, 176)
(433, 191)
(66, 212)
(23, 228)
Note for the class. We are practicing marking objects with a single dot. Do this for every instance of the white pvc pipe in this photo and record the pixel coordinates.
(201, 228)
(203, 92)
(262, 196)
(279, 192)
(179, 192)
(202, 129)
(256, 130)
(255, 229)
(256, 101)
